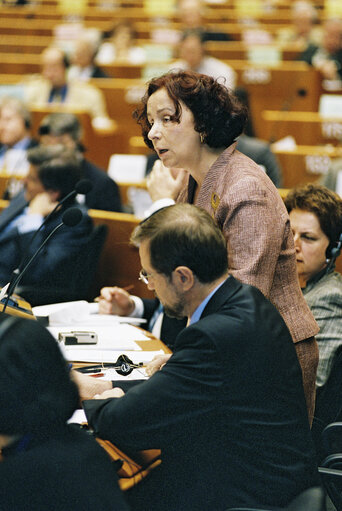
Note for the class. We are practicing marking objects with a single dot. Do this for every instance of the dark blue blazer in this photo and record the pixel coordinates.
(227, 411)
(105, 192)
(54, 264)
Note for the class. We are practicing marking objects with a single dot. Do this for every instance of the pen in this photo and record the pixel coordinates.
(90, 369)
(97, 375)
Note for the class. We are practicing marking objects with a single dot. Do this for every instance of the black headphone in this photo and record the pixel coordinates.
(334, 249)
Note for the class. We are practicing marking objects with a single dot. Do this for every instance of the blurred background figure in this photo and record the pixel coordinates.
(53, 174)
(192, 57)
(305, 28)
(327, 57)
(256, 149)
(191, 15)
(121, 46)
(64, 128)
(46, 463)
(52, 86)
(316, 222)
(83, 57)
(15, 139)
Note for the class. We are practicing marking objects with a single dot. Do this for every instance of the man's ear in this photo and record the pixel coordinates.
(184, 277)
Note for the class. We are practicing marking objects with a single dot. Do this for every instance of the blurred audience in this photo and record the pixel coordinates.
(315, 216)
(327, 57)
(191, 15)
(83, 57)
(121, 46)
(46, 463)
(256, 149)
(15, 139)
(192, 57)
(52, 86)
(65, 128)
(304, 28)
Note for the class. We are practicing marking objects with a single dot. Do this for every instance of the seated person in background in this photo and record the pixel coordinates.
(83, 57)
(192, 57)
(53, 87)
(121, 46)
(65, 128)
(304, 28)
(115, 300)
(256, 149)
(191, 15)
(333, 178)
(53, 174)
(15, 139)
(46, 463)
(227, 409)
(327, 57)
(315, 216)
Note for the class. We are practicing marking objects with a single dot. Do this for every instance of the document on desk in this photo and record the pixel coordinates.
(112, 341)
(79, 312)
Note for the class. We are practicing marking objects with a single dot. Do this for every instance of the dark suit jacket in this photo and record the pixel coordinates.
(227, 410)
(105, 192)
(54, 264)
(67, 470)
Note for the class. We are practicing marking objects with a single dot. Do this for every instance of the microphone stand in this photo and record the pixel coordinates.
(17, 274)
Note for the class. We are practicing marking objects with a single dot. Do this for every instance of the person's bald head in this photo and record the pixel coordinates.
(54, 65)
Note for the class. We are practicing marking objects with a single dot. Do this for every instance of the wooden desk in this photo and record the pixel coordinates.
(307, 128)
(305, 164)
(119, 262)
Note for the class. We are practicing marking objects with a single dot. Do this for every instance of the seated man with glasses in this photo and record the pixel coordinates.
(227, 409)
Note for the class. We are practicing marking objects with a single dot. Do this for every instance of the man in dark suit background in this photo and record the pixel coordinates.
(65, 128)
(53, 174)
(227, 408)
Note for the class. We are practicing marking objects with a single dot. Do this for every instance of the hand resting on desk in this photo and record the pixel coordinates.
(156, 364)
(115, 392)
(88, 386)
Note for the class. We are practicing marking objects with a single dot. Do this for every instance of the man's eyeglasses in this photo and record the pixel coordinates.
(144, 276)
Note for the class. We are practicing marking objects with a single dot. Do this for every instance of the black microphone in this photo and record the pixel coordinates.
(70, 218)
(82, 187)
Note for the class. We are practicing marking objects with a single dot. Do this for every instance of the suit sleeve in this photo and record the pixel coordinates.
(155, 412)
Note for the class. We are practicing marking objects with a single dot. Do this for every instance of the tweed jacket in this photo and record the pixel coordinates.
(80, 95)
(227, 411)
(324, 297)
(255, 223)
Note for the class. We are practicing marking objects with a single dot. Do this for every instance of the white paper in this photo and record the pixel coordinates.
(127, 168)
(108, 357)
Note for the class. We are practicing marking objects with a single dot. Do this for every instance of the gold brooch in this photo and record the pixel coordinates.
(215, 201)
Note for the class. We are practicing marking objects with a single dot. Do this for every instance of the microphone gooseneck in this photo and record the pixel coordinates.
(70, 218)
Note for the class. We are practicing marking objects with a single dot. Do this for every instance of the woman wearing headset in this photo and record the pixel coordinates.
(316, 221)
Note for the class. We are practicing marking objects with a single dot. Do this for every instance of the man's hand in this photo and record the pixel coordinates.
(115, 300)
(156, 364)
(41, 204)
(165, 183)
(115, 392)
(88, 386)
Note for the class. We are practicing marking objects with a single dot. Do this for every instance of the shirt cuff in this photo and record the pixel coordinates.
(138, 311)
(158, 204)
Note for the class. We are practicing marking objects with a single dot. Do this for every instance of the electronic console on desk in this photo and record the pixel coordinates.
(17, 307)
(76, 338)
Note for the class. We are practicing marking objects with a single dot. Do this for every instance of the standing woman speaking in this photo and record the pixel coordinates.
(192, 122)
